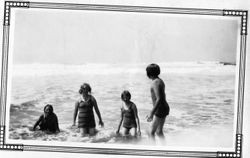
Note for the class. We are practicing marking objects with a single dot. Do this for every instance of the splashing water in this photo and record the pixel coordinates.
(201, 98)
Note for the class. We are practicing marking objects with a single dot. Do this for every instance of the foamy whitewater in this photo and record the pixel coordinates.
(200, 95)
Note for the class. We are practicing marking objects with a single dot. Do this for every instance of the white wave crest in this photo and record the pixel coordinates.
(104, 69)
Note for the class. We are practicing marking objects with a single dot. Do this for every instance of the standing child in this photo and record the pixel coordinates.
(48, 121)
(129, 116)
(160, 106)
(84, 110)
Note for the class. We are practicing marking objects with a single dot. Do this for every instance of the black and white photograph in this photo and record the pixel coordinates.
(121, 79)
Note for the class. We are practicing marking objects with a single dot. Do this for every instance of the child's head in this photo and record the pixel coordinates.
(85, 88)
(125, 96)
(153, 70)
(48, 109)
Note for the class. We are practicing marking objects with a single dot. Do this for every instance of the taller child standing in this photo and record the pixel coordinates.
(160, 106)
(84, 110)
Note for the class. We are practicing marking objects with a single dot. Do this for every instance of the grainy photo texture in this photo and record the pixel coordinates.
(124, 76)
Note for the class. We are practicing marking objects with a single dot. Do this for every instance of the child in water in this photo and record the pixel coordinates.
(129, 116)
(84, 109)
(48, 121)
(160, 108)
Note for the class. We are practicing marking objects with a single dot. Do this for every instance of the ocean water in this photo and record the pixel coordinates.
(200, 95)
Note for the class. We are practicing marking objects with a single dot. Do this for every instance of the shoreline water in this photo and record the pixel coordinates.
(185, 138)
(201, 102)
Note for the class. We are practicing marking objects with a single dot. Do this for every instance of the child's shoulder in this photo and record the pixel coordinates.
(80, 99)
(42, 116)
(133, 105)
(158, 82)
(54, 114)
(92, 98)
(122, 107)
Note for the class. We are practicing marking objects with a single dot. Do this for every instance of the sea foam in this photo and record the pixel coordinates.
(134, 68)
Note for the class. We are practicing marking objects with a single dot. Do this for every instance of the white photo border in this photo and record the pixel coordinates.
(242, 14)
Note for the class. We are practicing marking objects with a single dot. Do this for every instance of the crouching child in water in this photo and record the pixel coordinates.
(48, 121)
(129, 116)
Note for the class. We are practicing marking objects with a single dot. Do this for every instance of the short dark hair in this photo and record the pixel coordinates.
(153, 70)
(126, 93)
(85, 86)
(50, 108)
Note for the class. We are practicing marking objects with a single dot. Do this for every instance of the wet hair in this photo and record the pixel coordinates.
(125, 94)
(50, 108)
(153, 70)
(85, 86)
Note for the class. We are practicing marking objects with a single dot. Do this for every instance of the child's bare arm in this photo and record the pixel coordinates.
(75, 113)
(137, 118)
(37, 123)
(120, 123)
(97, 111)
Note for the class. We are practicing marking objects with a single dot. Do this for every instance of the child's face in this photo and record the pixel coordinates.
(47, 111)
(125, 98)
(84, 90)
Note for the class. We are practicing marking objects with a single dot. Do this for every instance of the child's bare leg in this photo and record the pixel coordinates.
(159, 130)
(92, 131)
(154, 126)
(134, 132)
(83, 132)
(125, 131)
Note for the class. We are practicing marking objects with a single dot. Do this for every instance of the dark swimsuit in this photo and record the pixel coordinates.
(49, 123)
(162, 111)
(86, 117)
(129, 118)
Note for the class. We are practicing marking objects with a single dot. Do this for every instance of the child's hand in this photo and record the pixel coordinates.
(139, 133)
(149, 118)
(74, 124)
(118, 133)
(101, 123)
